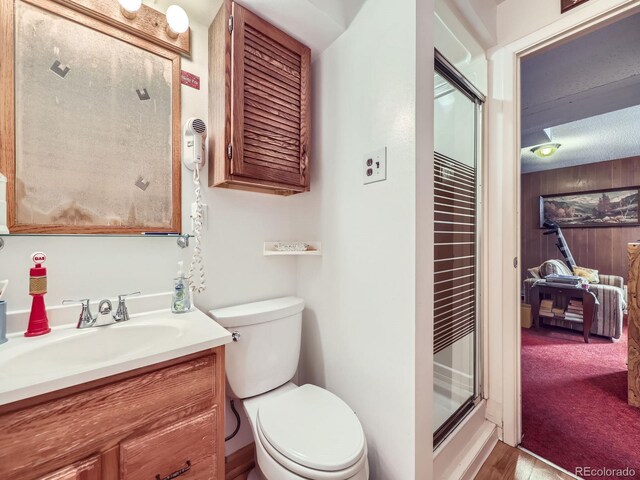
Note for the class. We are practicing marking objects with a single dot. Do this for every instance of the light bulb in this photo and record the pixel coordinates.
(129, 8)
(544, 151)
(177, 21)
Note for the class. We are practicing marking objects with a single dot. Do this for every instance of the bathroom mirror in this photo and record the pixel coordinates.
(90, 124)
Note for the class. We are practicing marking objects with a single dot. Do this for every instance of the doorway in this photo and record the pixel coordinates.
(504, 200)
(579, 191)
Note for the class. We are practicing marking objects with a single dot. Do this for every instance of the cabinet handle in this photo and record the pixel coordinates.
(177, 473)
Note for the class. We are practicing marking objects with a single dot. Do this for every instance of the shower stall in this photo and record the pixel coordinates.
(457, 214)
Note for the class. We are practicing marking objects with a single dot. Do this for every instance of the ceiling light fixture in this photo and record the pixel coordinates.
(177, 21)
(129, 8)
(546, 150)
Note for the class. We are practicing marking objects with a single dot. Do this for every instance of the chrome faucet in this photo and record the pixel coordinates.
(86, 320)
(122, 314)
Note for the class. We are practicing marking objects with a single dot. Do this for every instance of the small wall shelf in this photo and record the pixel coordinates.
(314, 249)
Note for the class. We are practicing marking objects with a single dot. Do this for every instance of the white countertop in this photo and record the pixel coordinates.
(68, 356)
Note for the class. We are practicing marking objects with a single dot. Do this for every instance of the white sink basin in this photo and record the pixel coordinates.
(69, 356)
(92, 345)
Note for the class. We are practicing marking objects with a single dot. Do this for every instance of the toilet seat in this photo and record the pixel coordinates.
(313, 433)
(271, 457)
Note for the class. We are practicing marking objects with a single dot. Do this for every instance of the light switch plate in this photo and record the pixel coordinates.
(374, 166)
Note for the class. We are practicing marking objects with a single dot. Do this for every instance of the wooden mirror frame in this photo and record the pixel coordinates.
(145, 31)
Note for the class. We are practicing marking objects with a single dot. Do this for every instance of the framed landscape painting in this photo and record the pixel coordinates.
(600, 208)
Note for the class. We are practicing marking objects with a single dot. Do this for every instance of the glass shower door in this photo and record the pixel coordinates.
(456, 196)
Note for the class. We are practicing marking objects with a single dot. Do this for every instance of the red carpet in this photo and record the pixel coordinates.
(574, 402)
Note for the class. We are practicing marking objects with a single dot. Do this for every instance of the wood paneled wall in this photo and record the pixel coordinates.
(604, 249)
(633, 377)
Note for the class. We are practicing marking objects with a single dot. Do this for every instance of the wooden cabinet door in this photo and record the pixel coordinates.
(85, 470)
(187, 449)
(64, 430)
(270, 103)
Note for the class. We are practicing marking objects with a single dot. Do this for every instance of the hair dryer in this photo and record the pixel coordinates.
(194, 146)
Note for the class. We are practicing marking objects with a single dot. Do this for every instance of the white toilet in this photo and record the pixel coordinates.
(300, 432)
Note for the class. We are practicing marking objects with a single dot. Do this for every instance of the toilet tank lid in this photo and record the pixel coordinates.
(257, 312)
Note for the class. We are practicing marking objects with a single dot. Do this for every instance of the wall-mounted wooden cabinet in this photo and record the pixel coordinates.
(259, 105)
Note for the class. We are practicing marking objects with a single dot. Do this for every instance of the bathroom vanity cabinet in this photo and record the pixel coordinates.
(159, 422)
(259, 105)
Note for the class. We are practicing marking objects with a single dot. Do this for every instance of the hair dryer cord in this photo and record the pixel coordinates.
(196, 269)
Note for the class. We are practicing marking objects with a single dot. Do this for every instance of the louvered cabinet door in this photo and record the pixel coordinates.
(270, 114)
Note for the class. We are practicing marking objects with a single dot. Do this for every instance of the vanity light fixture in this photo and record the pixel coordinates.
(177, 18)
(129, 8)
(546, 150)
(177, 21)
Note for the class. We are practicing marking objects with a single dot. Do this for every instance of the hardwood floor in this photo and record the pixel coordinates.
(508, 463)
(504, 463)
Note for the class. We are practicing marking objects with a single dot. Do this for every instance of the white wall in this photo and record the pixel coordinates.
(424, 254)
(478, 17)
(367, 327)
(81, 267)
(238, 223)
(484, 12)
(359, 324)
(516, 18)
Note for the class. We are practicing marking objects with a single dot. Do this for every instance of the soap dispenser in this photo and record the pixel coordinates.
(181, 301)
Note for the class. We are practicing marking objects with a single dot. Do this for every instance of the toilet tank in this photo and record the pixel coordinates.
(267, 349)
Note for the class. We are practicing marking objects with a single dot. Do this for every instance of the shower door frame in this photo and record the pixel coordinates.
(452, 75)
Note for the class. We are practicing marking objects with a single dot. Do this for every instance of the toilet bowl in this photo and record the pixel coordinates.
(306, 433)
(301, 432)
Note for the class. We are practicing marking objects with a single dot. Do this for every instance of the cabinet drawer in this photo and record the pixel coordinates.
(186, 449)
(86, 470)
